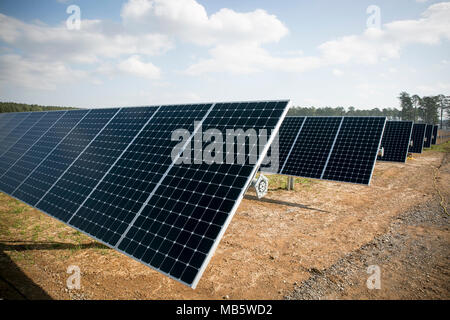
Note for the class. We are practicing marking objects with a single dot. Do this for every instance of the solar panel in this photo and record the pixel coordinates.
(428, 136)
(110, 173)
(312, 147)
(435, 135)
(21, 128)
(417, 138)
(395, 142)
(11, 121)
(330, 148)
(287, 136)
(34, 130)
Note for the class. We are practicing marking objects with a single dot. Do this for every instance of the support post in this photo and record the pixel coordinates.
(290, 183)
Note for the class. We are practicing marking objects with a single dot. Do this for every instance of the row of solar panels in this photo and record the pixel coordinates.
(345, 148)
(111, 173)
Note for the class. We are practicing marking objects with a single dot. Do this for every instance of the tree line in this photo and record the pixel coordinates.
(22, 107)
(390, 113)
(430, 109)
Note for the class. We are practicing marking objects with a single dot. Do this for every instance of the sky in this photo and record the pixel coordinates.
(149, 52)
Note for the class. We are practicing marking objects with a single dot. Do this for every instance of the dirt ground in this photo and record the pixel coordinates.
(312, 243)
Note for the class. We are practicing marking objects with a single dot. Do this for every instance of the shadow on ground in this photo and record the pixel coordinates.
(283, 203)
(30, 245)
(14, 283)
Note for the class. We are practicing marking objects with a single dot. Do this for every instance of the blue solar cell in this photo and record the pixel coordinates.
(355, 151)
(22, 127)
(32, 135)
(50, 169)
(395, 142)
(310, 152)
(86, 172)
(123, 191)
(188, 211)
(330, 148)
(110, 173)
(428, 136)
(30, 160)
(435, 135)
(281, 148)
(10, 121)
(417, 138)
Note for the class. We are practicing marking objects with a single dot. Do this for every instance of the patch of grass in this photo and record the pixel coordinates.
(36, 232)
(277, 182)
(18, 224)
(444, 147)
(22, 257)
(103, 251)
(16, 207)
(62, 235)
(304, 181)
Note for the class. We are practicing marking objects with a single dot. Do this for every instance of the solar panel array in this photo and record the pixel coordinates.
(395, 142)
(417, 138)
(330, 148)
(428, 136)
(435, 135)
(110, 173)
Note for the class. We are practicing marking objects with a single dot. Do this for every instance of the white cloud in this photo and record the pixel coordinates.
(337, 72)
(246, 59)
(235, 42)
(36, 75)
(134, 66)
(47, 53)
(189, 21)
(434, 89)
(235, 37)
(375, 45)
(371, 47)
(95, 40)
(366, 90)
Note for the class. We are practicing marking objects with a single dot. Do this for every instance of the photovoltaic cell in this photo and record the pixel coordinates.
(11, 120)
(183, 219)
(52, 167)
(123, 191)
(435, 135)
(14, 177)
(8, 177)
(310, 152)
(110, 173)
(3, 123)
(86, 172)
(428, 136)
(395, 142)
(353, 156)
(331, 148)
(287, 135)
(23, 125)
(417, 138)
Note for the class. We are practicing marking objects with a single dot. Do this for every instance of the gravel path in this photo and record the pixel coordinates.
(413, 257)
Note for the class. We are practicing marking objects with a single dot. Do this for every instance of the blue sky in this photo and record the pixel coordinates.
(145, 52)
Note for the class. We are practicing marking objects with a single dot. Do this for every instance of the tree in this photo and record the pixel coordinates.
(406, 106)
(22, 107)
(391, 113)
(444, 107)
(429, 107)
(416, 100)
